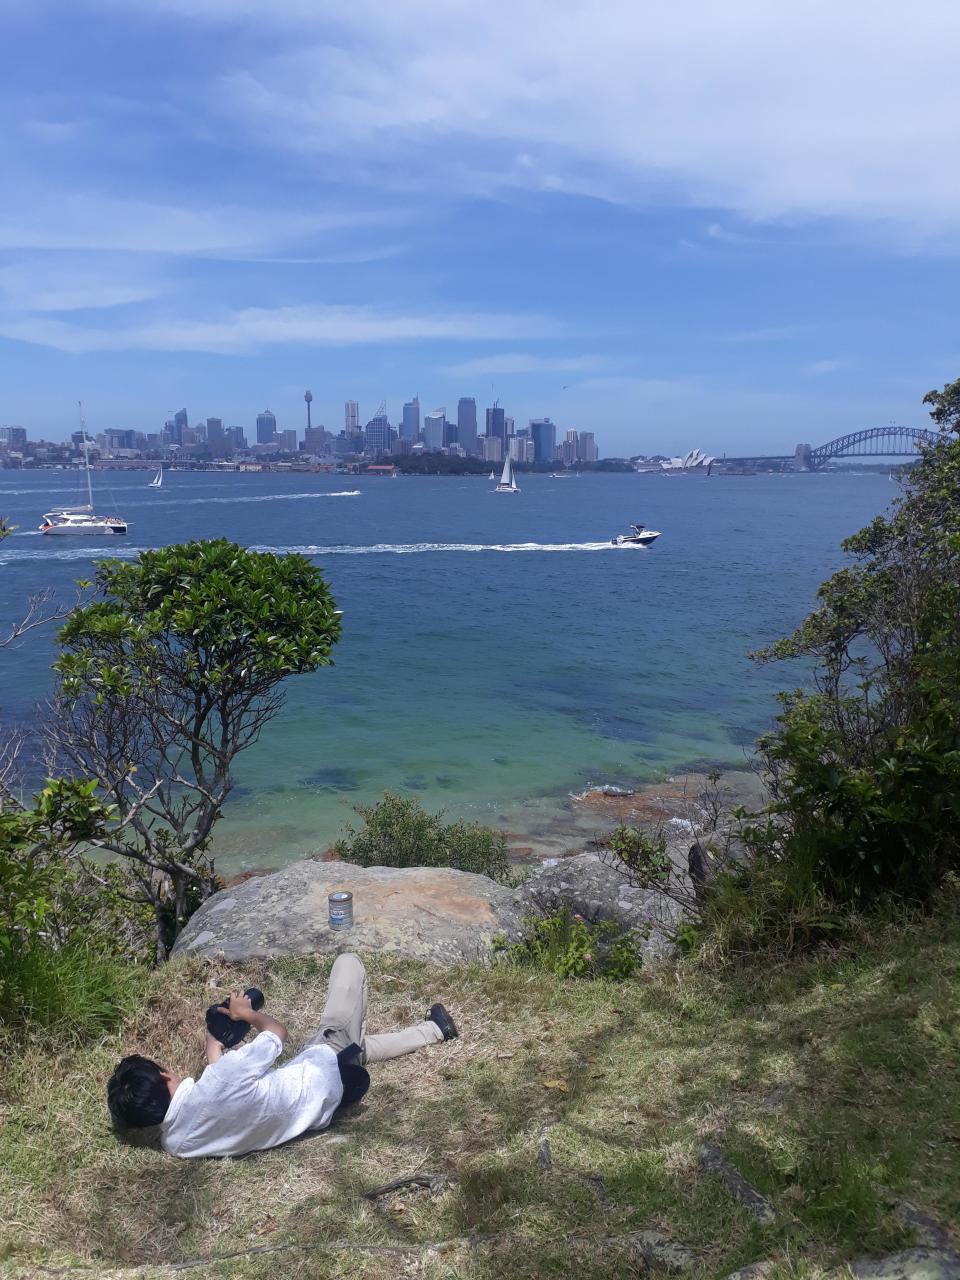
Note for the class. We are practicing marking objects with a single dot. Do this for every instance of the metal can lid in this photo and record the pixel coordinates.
(341, 897)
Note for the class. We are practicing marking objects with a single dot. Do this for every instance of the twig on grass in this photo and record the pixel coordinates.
(434, 1181)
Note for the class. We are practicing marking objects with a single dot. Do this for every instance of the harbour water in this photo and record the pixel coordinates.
(498, 653)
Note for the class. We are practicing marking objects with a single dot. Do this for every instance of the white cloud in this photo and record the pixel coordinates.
(115, 225)
(520, 363)
(820, 367)
(50, 131)
(253, 329)
(59, 286)
(782, 112)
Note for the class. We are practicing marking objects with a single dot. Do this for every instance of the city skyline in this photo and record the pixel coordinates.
(729, 227)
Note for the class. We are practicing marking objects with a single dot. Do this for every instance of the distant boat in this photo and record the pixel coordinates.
(508, 483)
(81, 521)
(492, 476)
(562, 475)
(157, 480)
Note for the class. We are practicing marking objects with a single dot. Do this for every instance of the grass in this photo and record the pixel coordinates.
(625, 1081)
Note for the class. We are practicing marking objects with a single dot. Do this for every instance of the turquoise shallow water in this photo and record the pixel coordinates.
(498, 653)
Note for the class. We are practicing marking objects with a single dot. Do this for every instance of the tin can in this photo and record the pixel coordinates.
(341, 910)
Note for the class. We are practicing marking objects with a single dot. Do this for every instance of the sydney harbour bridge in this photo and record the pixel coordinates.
(892, 441)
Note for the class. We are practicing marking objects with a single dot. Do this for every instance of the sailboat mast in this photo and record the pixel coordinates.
(86, 455)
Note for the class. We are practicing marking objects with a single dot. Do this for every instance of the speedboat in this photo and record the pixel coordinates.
(640, 537)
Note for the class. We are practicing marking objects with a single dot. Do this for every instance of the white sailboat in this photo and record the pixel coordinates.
(157, 480)
(508, 481)
(81, 521)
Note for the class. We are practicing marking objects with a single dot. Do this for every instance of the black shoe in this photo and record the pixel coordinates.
(448, 1027)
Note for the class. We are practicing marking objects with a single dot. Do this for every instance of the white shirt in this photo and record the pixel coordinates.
(240, 1105)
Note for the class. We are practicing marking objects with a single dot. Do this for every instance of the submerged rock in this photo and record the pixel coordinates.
(427, 913)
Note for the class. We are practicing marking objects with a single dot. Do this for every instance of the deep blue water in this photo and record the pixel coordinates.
(498, 653)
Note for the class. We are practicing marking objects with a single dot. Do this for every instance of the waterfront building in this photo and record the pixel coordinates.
(266, 427)
(467, 424)
(287, 441)
(119, 438)
(544, 435)
(410, 426)
(236, 438)
(491, 449)
(15, 437)
(351, 417)
(495, 421)
(434, 430)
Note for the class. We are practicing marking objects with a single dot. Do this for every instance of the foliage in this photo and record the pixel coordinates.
(32, 844)
(865, 769)
(398, 832)
(568, 947)
(163, 679)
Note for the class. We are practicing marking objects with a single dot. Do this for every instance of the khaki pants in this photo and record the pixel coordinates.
(344, 1018)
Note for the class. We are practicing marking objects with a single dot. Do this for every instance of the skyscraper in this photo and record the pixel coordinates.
(588, 451)
(467, 425)
(377, 435)
(287, 441)
(495, 422)
(351, 417)
(544, 434)
(216, 441)
(434, 428)
(266, 427)
(177, 426)
(410, 426)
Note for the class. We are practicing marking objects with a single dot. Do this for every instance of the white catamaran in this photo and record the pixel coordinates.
(508, 481)
(81, 521)
(157, 480)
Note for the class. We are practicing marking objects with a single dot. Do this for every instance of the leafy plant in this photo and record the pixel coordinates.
(566, 946)
(163, 680)
(398, 832)
(865, 770)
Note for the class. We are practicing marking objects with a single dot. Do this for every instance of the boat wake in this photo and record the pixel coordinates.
(313, 551)
(261, 497)
(423, 548)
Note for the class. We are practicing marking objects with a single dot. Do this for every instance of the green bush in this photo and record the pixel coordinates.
(398, 832)
(568, 947)
(864, 770)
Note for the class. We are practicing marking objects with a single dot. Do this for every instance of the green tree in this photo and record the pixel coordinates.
(865, 769)
(163, 679)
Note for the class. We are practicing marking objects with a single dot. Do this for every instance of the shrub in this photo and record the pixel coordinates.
(566, 946)
(398, 832)
(864, 770)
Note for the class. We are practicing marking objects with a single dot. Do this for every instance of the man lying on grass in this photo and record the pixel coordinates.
(239, 1105)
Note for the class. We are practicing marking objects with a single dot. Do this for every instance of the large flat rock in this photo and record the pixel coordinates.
(427, 913)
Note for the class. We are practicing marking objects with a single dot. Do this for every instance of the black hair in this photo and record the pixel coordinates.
(137, 1094)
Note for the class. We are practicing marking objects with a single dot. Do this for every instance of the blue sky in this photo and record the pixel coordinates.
(734, 226)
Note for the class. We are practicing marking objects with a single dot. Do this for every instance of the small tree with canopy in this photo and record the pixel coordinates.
(171, 671)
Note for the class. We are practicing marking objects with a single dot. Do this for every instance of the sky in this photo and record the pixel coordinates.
(733, 226)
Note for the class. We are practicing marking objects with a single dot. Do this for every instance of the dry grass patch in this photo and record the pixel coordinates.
(826, 1084)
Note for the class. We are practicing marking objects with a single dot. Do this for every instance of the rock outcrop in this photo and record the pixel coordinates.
(591, 887)
(427, 913)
